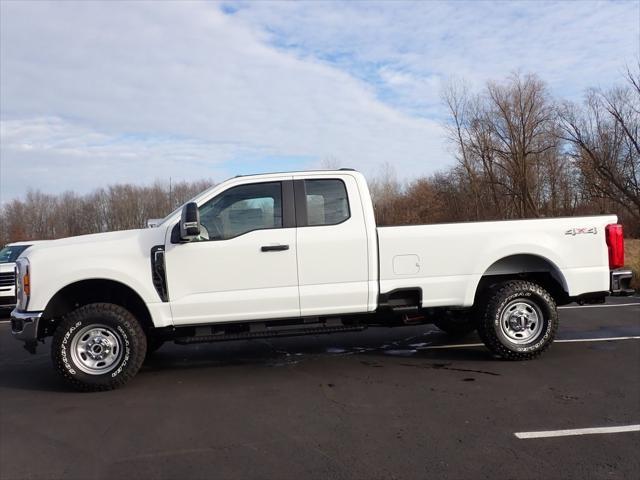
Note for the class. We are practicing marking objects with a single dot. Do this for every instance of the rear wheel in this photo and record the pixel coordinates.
(519, 321)
(100, 346)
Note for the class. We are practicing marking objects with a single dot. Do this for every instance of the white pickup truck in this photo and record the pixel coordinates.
(299, 253)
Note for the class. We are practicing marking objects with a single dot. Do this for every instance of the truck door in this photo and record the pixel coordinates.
(244, 265)
(332, 246)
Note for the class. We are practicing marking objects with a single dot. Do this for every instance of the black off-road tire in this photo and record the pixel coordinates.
(457, 324)
(120, 322)
(499, 298)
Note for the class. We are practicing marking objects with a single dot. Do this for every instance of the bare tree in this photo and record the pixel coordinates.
(522, 120)
(385, 190)
(461, 133)
(604, 134)
(506, 145)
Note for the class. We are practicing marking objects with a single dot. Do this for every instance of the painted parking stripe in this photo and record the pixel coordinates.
(578, 431)
(604, 339)
(600, 306)
(569, 340)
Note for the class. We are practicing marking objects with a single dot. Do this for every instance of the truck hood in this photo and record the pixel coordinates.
(136, 242)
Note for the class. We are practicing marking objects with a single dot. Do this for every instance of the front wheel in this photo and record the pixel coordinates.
(520, 320)
(97, 347)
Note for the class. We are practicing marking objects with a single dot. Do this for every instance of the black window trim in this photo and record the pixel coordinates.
(300, 193)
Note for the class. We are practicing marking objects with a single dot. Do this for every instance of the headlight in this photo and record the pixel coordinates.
(23, 283)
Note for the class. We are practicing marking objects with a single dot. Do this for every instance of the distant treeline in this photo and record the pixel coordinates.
(118, 207)
(520, 153)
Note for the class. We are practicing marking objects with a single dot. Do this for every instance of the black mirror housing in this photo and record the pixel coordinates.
(190, 222)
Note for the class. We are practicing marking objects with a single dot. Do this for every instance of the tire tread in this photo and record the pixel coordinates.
(138, 349)
(486, 327)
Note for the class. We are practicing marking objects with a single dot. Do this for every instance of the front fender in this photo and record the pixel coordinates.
(44, 287)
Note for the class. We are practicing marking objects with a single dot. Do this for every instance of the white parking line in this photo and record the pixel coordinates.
(578, 431)
(460, 345)
(606, 339)
(600, 306)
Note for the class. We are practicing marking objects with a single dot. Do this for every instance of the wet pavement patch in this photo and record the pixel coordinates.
(446, 366)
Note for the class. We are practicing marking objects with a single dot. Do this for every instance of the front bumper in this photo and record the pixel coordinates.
(24, 325)
(620, 283)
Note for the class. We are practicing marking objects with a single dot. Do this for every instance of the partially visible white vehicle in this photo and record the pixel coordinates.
(299, 253)
(8, 256)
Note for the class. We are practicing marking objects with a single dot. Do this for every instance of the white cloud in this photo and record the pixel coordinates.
(110, 90)
(572, 45)
(94, 93)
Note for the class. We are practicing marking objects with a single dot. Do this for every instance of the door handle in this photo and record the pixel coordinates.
(274, 248)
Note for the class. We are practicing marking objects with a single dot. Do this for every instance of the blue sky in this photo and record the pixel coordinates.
(95, 93)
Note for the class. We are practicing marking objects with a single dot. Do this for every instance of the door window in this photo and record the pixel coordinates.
(327, 202)
(242, 209)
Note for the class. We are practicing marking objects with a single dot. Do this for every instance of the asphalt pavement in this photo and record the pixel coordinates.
(397, 403)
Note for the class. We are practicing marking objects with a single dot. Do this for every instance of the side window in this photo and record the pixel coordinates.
(242, 209)
(327, 202)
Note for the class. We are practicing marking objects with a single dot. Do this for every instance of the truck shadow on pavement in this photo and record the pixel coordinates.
(373, 348)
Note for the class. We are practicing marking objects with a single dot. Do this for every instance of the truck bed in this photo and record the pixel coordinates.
(447, 260)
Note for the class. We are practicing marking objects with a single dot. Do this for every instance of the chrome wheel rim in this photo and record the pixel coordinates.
(521, 321)
(96, 349)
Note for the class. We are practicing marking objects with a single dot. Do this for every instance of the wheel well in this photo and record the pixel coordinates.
(526, 267)
(93, 291)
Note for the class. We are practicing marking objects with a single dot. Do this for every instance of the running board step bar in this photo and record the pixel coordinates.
(267, 333)
(405, 309)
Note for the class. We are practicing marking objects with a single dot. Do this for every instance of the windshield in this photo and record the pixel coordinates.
(10, 254)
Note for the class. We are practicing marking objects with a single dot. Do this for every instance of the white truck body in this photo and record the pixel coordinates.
(335, 269)
(310, 250)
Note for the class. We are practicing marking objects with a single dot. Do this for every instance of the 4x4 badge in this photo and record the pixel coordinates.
(581, 231)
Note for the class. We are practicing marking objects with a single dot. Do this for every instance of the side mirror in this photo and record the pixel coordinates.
(190, 222)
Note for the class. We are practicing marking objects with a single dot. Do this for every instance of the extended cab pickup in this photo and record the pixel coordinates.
(300, 253)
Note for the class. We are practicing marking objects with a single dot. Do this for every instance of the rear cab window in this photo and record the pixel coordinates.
(326, 202)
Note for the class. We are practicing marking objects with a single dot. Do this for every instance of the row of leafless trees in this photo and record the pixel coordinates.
(520, 153)
(119, 207)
